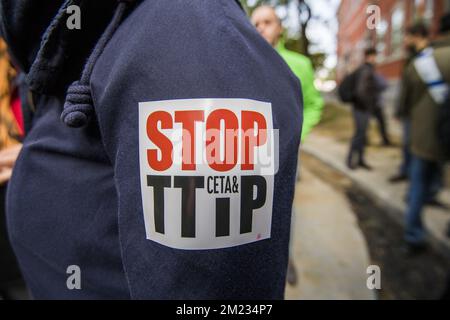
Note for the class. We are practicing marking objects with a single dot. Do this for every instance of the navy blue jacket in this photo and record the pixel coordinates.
(75, 196)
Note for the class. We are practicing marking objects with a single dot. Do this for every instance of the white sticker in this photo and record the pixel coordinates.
(207, 170)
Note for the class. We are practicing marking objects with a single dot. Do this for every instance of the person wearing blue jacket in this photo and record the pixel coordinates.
(161, 157)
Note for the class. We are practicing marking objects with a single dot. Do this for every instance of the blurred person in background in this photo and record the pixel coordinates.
(11, 134)
(366, 88)
(269, 25)
(419, 30)
(424, 90)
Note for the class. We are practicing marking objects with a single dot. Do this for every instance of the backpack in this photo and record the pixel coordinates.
(366, 92)
(346, 89)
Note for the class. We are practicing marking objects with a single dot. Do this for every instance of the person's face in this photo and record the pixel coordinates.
(372, 59)
(267, 23)
(409, 41)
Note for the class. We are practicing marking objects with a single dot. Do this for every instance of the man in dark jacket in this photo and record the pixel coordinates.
(107, 200)
(419, 30)
(366, 96)
(421, 103)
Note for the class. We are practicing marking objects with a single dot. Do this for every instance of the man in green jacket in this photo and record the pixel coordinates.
(266, 21)
(268, 24)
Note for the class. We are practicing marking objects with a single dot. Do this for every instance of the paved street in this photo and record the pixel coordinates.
(330, 251)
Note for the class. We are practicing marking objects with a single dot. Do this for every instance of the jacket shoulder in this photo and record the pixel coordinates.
(184, 49)
(442, 55)
(296, 58)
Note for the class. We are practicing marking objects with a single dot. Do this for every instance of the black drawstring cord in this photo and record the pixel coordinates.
(40, 60)
(78, 108)
(54, 25)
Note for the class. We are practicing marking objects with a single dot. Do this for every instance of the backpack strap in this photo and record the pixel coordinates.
(430, 74)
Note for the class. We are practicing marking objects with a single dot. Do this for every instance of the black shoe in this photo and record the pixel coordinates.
(292, 278)
(351, 166)
(349, 162)
(365, 166)
(398, 178)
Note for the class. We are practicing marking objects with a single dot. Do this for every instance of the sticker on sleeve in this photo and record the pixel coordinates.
(207, 170)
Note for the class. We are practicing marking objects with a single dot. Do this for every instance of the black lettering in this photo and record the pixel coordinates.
(221, 184)
(248, 204)
(159, 183)
(235, 185)
(216, 185)
(210, 181)
(222, 217)
(188, 186)
(228, 186)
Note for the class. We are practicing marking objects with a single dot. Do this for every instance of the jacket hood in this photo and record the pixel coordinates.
(63, 52)
(44, 48)
(23, 22)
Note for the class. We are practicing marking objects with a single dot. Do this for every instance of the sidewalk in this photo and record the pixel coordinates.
(332, 150)
(330, 251)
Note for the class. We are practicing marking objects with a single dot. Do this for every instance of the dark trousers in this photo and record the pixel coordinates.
(404, 168)
(437, 183)
(359, 141)
(422, 177)
(382, 124)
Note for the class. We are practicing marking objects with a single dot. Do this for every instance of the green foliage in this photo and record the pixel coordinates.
(318, 59)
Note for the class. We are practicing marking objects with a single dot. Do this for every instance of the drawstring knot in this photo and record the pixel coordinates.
(78, 108)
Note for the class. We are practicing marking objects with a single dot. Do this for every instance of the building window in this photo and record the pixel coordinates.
(429, 12)
(424, 11)
(382, 29)
(397, 29)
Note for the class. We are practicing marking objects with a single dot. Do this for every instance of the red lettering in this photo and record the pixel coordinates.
(160, 140)
(249, 140)
(213, 140)
(188, 119)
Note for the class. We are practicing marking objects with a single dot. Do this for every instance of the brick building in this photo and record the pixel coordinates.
(355, 34)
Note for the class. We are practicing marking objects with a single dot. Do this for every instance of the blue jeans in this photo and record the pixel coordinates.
(437, 183)
(422, 176)
(404, 169)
